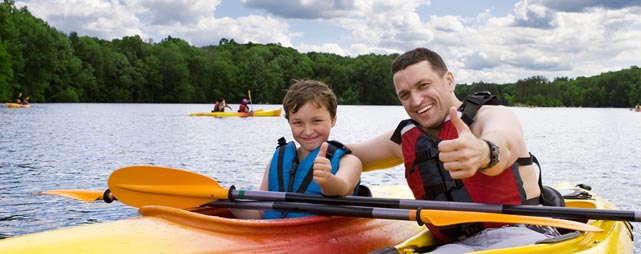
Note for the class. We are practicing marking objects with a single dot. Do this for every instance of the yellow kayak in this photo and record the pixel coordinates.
(17, 105)
(163, 229)
(615, 238)
(256, 113)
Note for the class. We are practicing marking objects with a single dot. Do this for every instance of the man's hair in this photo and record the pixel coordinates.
(304, 91)
(418, 55)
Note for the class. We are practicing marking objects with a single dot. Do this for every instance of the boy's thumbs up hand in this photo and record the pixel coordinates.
(322, 166)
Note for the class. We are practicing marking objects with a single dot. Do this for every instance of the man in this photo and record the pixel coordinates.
(445, 159)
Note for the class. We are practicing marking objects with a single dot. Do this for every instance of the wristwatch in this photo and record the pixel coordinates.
(495, 155)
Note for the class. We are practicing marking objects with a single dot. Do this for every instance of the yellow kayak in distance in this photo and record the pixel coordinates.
(256, 113)
(17, 105)
(616, 236)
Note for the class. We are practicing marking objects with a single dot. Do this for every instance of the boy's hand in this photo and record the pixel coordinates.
(322, 166)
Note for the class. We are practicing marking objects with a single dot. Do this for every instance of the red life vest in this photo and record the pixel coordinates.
(243, 108)
(217, 107)
(429, 180)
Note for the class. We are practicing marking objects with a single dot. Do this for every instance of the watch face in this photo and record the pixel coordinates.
(494, 155)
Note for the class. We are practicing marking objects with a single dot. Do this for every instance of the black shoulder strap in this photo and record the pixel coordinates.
(396, 136)
(282, 145)
(333, 146)
(473, 103)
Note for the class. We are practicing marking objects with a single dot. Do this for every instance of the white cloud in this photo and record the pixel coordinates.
(103, 19)
(326, 47)
(304, 9)
(256, 29)
(539, 37)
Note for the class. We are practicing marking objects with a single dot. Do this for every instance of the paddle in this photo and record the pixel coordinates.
(152, 185)
(436, 217)
(83, 195)
(249, 94)
(156, 185)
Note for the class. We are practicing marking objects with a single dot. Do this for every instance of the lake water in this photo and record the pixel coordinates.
(77, 146)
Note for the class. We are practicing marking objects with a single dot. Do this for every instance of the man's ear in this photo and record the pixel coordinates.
(449, 79)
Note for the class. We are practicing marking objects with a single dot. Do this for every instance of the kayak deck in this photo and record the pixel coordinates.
(615, 238)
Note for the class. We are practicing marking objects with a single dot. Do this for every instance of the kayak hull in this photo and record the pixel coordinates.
(615, 238)
(257, 113)
(210, 230)
(17, 105)
(171, 230)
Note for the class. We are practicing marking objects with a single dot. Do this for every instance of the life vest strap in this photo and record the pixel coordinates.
(444, 187)
(473, 103)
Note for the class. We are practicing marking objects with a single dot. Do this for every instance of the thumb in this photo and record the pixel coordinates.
(323, 150)
(458, 123)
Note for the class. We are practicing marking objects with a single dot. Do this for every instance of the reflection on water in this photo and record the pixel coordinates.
(77, 146)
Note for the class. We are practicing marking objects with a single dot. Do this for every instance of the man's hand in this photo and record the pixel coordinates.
(463, 156)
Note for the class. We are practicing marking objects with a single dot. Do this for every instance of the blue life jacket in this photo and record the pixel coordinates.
(288, 174)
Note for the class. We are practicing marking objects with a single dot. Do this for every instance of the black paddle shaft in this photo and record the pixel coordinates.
(529, 210)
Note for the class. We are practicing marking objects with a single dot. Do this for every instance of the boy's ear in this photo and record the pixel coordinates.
(333, 121)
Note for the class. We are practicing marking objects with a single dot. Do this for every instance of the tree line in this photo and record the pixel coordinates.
(49, 66)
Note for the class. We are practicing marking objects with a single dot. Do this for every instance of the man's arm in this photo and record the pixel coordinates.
(378, 153)
(500, 125)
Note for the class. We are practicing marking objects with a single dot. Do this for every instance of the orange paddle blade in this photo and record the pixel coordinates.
(83, 195)
(446, 217)
(152, 185)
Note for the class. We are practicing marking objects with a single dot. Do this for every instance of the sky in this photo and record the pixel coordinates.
(498, 41)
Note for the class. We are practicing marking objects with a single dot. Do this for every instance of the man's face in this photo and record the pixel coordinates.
(424, 93)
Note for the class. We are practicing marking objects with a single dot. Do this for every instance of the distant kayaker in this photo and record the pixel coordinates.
(243, 106)
(220, 105)
(318, 166)
(483, 161)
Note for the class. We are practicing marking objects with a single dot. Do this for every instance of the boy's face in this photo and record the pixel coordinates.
(311, 126)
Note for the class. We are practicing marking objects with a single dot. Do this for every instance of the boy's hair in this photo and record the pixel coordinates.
(303, 91)
(418, 55)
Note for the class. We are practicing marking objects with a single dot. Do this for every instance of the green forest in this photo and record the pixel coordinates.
(38, 61)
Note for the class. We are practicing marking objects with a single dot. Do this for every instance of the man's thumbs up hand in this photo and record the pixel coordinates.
(462, 156)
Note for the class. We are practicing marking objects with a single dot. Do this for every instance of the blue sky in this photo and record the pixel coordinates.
(487, 40)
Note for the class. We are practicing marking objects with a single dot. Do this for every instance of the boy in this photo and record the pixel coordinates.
(310, 108)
